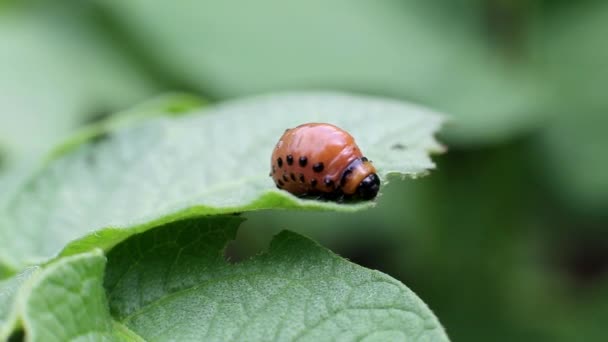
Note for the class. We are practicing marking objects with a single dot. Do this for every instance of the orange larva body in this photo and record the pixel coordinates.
(321, 159)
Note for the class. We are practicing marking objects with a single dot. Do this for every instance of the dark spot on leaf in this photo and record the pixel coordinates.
(398, 146)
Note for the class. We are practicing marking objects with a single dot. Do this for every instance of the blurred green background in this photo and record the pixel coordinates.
(506, 240)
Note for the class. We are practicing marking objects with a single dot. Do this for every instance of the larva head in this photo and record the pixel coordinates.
(360, 180)
(368, 188)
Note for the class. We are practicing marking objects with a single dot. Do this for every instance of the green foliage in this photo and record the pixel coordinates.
(148, 187)
(9, 290)
(573, 145)
(514, 219)
(165, 168)
(413, 50)
(58, 70)
(172, 283)
(66, 301)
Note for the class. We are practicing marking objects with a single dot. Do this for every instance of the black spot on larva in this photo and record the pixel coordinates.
(313, 182)
(274, 170)
(289, 159)
(302, 178)
(293, 177)
(285, 178)
(363, 159)
(318, 167)
(398, 146)
(328, 182)
(280, 162)
(280, 182)
(303, 160)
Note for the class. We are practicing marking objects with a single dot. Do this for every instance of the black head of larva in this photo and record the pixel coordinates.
(369, 187)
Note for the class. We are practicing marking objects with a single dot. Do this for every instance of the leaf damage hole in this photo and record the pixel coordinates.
(373, 252)
(234, 253)
(245, 247)
(252, 239)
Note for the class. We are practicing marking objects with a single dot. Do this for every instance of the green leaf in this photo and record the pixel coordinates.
(213, 161)
(9, 290)
(172, 104)
(69, 285)
(172, 283)
(66, 301)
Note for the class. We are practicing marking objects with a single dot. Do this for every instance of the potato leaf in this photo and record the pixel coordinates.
(129, 178)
